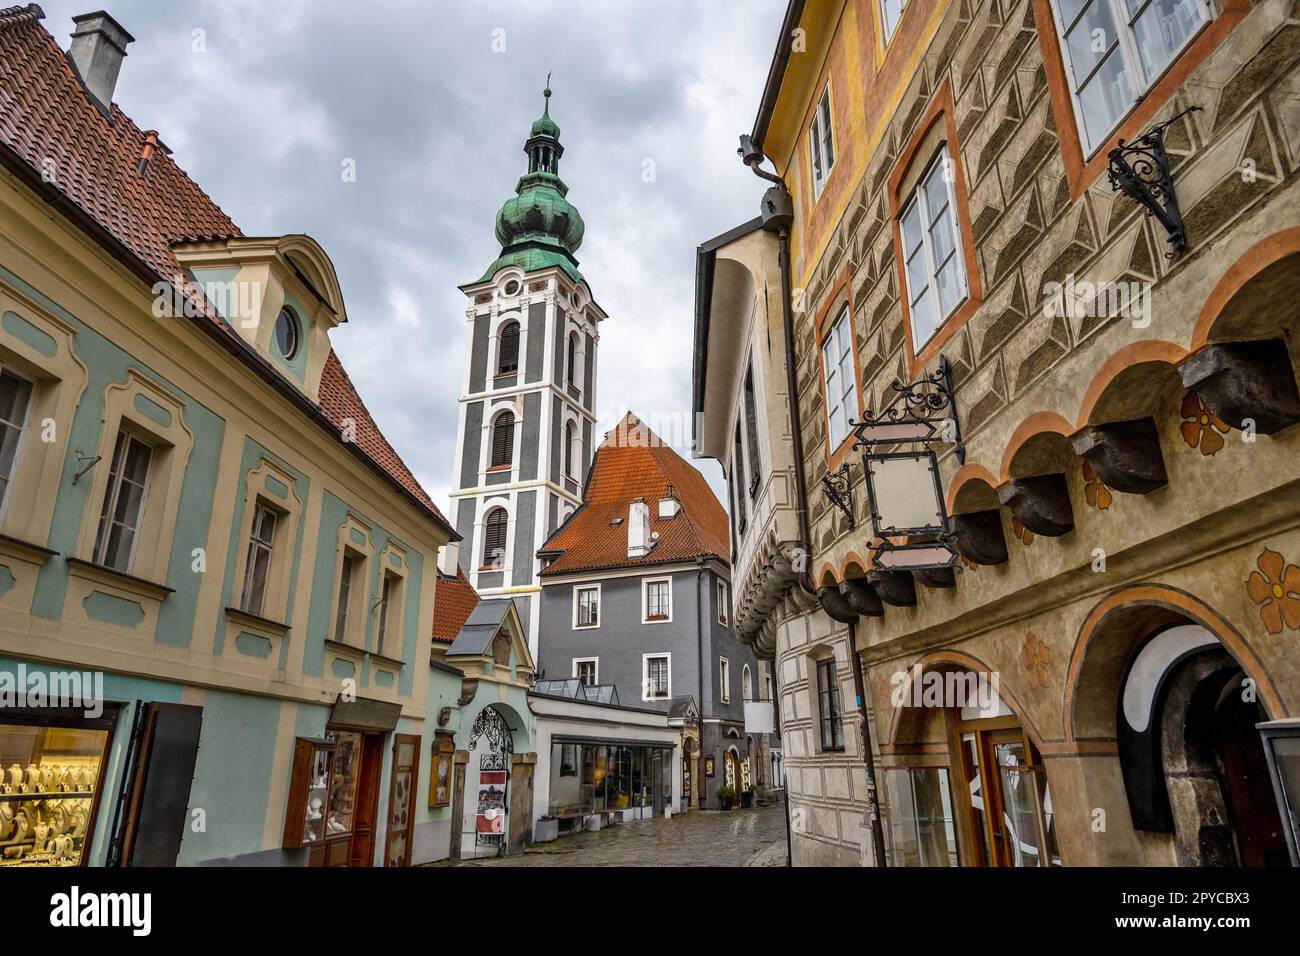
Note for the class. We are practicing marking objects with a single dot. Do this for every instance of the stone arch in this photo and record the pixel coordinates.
(973, 488)
(1132, 383)
(1239, 305)
(1029, 438)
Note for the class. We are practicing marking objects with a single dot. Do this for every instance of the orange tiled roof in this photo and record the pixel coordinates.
(453, 602)
(45, 116)
(632, 462)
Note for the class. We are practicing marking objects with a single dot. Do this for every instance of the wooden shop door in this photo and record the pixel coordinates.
(363, 833)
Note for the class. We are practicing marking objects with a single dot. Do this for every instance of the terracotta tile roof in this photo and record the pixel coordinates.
(45, 115)
(453, 602)
(632, 462)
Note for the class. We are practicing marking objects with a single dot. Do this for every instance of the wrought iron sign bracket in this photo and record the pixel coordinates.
(837, 486)
(922, 411)
(1140, 170)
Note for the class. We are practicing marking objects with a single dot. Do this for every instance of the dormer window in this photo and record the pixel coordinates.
(286, 334)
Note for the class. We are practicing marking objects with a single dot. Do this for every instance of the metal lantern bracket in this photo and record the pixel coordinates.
(923, 411)
(873, 500)
(1140, 170)
(837, 486)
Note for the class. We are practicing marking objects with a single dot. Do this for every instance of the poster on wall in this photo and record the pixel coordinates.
(491, 817)
(708, 766)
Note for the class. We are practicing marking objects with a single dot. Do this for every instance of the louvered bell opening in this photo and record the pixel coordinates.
(508, 361)
(503, 440)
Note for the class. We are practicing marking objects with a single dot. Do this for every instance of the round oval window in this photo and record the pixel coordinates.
(286, 334)
(512, 287)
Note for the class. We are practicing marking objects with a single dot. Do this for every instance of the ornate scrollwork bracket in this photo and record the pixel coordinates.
(837, 486)
(922, 411)
(1140, 170)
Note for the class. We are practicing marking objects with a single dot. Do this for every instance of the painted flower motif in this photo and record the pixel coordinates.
(1275, 587)
(1201, 428)
(967, 563)
(1034, 656)
(1020, 531)
(1095, 491)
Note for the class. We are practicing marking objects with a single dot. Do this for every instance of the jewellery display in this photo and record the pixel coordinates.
(306, 823)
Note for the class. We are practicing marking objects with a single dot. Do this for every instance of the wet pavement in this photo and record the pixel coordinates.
(750, 837)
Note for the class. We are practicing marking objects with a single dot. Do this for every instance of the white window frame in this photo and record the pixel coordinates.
(645, 599)
(389, 598)
(724, 603)
(1139, 82)
(595, 669)
(837, 366)
(918, 201)
(886, 28)
(21, 428)
(255, 546)
(821, 140)
(577, 590)
(646, 696)
(111, 492)
(724, 680)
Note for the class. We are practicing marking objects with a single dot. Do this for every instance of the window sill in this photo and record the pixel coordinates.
(114, 578)
(26, 550)
(345, 649)
(657, 620)
(498, 469)
(248, 619)
(492, 567)
(386, 660)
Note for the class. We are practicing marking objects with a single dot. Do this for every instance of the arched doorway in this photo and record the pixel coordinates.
(486, 814)
(731, 773)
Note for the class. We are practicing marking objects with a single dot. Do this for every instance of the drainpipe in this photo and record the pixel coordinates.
(699, 654)
(778, 214)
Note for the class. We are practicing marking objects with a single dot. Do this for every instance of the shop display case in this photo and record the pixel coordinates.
(310, 784)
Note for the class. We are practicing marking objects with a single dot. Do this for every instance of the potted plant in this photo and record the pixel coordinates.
(725, 795)
(746, 796)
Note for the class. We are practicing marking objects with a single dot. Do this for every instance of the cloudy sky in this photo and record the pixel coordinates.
(265, 104)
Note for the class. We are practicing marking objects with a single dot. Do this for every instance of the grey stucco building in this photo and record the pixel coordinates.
(636, 593)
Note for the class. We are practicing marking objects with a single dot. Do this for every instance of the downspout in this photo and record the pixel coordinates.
(699, 655)
(778, 213)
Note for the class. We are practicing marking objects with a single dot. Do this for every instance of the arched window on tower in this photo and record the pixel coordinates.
(494, 538)
(573, 358)
(508, 349)
(570, 440)
(503, 440)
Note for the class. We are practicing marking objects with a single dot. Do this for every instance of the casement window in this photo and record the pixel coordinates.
(920, 817)
(828, 706)
(347, 576)
(494, 538)
(840, 379)
(821, 142)
(587, 670)
(657, 601)
(724, 680)
(503, 440)
(932, 255)
(1114, 52)
(124, 500)
(570, 439)
(389, 595)
(586, 606)
(724, 604)
(738, 479)
(257, 563)
(751, 432)
(891, 11)
(15, 398)
(656, 678)
(508, 349)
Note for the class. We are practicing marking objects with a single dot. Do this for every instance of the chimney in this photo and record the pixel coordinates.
(639, 541)
(669, 506)
(98, 45)
(449, 558)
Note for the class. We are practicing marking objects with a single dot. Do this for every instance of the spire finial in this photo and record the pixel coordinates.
(546, 109)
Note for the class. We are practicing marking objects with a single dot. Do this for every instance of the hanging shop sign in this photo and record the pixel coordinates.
(904, 494)
(923, 411)
(912, 557)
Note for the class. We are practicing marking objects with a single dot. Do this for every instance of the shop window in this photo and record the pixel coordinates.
(891, 11)
(257, 563)
(587, 670)
(920, 817)
(657, 601)
(840, 379)
(508, 349)
(495, 526)
(503, 440)
(442, 768)
(821, 141)
(1115, 51)
(656, 682)
(124, 497)
(586, 606)
(15, 396)
(933, 260)
(830, 716)
(724, 679)
(724, 603)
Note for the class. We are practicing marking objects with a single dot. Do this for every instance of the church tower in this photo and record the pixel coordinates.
(528, 399)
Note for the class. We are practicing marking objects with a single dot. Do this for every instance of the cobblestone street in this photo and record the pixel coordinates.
(754, 837)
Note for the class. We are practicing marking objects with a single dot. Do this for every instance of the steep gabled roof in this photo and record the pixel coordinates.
(454, 600)
(632, 462)
(57, 140)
